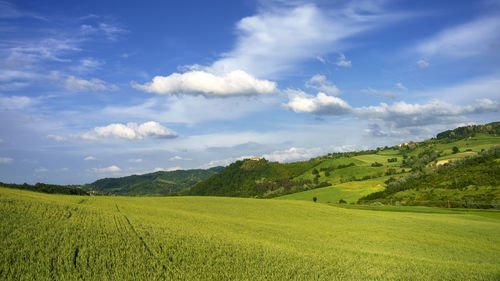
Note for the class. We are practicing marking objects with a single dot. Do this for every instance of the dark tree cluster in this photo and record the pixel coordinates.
(47, 188)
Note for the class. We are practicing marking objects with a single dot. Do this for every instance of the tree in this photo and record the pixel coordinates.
(315, 199)
(455, 150)
(315, 172)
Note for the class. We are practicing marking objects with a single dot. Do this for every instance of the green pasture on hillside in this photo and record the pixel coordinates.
(349, 191)
(58, 237)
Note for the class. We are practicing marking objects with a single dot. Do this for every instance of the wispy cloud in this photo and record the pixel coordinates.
(423, 63)
(16, 102)
(6, 160)
(9, 11)
(320, 83)
(400, 86)
(469, 39)
(56, 138)
(342, 61)
(92, 85)
(110, 31)
(35, 50)
(380, 93)
(276, 39)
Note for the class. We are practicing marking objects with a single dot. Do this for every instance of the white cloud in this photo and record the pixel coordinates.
(16, 102)
(56, 138)
(109, 31)
(322, 104)
(41, 170)
(473, 38)
(400, 86)
(293, 153)
(380, 93)
(177, 158)
(171, 169)
(130, 131)
(89, 158)
(93, 85)
(87, 64)
(47, 49)
(401, 114)
(138, 160)
(224, 162)
(320, 83)
(6, 160)
(280, 36)
(343, 62)
(321, 59)
(110, 169)
(234, 83)
(423, 64)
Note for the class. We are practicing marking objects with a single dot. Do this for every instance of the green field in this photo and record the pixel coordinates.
(349, 191)
(59, 237)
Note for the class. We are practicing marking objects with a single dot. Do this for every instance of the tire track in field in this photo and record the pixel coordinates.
(146, 246)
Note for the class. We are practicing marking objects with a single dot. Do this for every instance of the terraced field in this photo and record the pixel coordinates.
(47, 237)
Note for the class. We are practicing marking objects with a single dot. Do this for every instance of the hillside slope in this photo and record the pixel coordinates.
(158, 183)
(469, 183)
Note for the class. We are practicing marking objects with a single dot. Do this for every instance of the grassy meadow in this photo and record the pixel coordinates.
(60, 237)
(349, 191)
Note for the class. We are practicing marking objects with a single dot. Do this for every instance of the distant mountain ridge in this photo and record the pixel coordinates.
(152, 184)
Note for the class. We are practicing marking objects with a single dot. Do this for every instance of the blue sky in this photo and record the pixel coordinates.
(91, 89)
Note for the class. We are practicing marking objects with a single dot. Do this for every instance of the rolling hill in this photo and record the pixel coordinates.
(152, 184)
(346, 177)
(255, 178)
(468, 183)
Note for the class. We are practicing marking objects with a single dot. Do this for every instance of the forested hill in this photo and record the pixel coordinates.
(256, 177)
(470, 131)
(152, 184)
